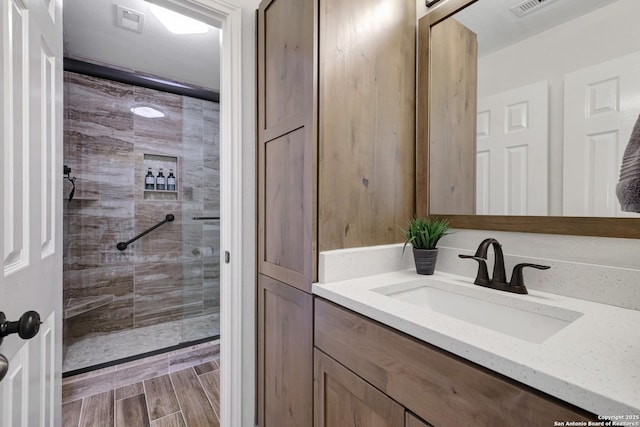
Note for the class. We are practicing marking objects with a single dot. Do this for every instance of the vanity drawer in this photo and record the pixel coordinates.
(440, 387)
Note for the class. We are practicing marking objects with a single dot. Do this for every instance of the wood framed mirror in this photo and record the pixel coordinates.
(440, 175)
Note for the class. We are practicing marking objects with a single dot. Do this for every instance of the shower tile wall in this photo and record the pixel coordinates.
(172, 272)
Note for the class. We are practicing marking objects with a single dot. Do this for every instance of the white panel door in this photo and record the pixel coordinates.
(601, 105)
(512, 152)
(31, 212)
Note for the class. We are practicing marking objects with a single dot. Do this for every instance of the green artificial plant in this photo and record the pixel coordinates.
(424, 233)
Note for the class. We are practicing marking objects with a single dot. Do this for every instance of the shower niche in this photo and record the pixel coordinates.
(169, 167)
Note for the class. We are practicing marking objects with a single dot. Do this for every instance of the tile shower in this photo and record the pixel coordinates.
(163, 290)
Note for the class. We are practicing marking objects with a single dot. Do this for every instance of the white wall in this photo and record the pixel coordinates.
(600, 269)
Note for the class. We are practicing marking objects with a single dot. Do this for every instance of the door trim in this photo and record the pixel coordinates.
(227, 16)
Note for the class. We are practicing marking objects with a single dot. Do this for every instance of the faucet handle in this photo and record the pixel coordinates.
(482, 278)
(517, 279)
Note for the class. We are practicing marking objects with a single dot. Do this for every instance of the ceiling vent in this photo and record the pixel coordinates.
(129, 19)
(528, 6)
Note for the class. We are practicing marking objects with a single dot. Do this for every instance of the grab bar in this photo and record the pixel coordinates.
(206, 218)
(123, 245)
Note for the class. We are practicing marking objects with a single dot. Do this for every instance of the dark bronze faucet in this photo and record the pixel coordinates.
(499, 277)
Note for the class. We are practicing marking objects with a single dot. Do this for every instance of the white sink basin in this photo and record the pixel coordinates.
(515, 315)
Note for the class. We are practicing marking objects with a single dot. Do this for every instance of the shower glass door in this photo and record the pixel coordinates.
(161, 290)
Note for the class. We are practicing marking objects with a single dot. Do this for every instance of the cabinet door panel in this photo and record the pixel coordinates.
(343, 399)
(285, 355)
(287, 254)
(284, 201)
(288, 58)
(287, 141)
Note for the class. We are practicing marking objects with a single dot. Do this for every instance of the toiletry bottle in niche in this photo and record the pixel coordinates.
(160, 181)
(149, 180)
(171, 181)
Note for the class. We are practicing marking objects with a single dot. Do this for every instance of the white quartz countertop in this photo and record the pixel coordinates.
(593, 363)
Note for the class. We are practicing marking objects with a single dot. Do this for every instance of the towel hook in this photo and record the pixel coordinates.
(67, 172)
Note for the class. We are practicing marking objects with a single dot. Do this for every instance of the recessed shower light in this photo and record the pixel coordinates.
(177, 23)
(148, 112)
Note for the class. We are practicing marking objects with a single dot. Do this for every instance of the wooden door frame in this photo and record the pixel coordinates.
(228, 16)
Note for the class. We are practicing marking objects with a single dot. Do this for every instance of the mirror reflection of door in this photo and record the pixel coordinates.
(512, 146)
(600, 108)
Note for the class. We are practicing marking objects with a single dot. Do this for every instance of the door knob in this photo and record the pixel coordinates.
(26, 327)
(4, 366)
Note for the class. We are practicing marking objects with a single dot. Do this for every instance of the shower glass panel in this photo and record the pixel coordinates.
(162, 291)
(201, 219)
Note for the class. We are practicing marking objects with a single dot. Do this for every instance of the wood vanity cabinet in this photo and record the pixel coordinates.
(346, 400)
(361, 360)
(336, 166)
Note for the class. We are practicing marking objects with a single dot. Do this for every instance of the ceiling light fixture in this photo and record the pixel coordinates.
(177, 23)
(148, 112)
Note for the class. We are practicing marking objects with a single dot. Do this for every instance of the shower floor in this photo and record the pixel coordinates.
(97, 349)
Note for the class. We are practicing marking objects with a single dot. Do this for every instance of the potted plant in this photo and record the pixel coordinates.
(423, 234)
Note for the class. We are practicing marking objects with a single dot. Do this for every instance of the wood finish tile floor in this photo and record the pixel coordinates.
(186, 398)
